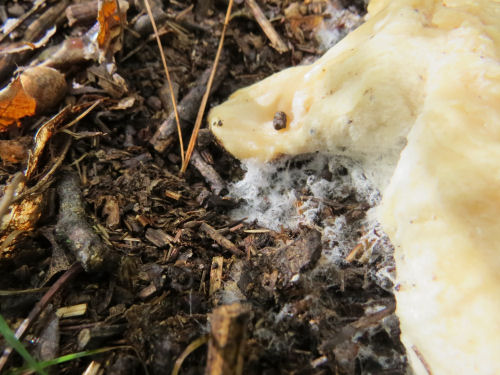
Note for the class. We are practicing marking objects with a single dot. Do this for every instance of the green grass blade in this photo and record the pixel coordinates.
(68, 357)
(18, 347)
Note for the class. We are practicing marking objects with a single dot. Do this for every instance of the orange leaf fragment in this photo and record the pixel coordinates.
(34, 91)
(15, 103)
(110, 17)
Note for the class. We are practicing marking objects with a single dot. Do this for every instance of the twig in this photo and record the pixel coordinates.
(220, 239)
(197, 123)
(74, 231)
(28, 46)
(51, 17)
(21, 19)
(170, 87)
(82, 12)
(68, 275)
(188, 106)
(276, 41)
(208, 172)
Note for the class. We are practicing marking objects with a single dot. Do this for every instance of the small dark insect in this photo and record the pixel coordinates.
(279, 120)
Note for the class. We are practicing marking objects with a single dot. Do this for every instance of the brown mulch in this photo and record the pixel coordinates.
(160, 251)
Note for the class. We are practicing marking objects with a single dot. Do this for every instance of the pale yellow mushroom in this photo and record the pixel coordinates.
(414, 95)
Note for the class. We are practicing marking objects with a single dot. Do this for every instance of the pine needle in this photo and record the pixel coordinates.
(165, 67)
(203, 104)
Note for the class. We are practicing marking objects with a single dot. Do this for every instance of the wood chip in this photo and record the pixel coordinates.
(173, 195)
(216, 274)
(158, 237)
(227, 340)
(71, 311)
(221, 240)
(276, 42)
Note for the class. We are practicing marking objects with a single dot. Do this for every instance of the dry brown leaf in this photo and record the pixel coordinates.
(34, 91)
(15, 104)
(305, 23)
(110, 17)
(15, 150)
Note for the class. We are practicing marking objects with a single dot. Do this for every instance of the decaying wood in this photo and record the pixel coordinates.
(89, 338)
(82, 12)
(21, 19)
(208, 172)
(166, 134)
(158, 237)
(72, 311)
(75, 232)
(220, 239)
(228, 325)
(216, 274)
(268, 29)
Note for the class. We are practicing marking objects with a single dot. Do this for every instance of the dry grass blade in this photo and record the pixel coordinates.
(189, 349)
(9, 193)
(165, 67)
(203, 104)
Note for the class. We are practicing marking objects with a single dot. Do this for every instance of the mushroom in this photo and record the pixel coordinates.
(414, 96)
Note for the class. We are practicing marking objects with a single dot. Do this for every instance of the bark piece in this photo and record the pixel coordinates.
(74, 231)
(188, 109)
(227, 339)
(158, 237)
(276, 42)
(208, 172)
(93, 337)
(216, 274)
(82, 13)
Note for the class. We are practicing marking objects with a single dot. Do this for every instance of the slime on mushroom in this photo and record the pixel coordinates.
(413, 96)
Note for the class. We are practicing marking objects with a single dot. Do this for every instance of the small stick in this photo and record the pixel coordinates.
(197, 123)
(74, 231)
(208, 172)
(170, 87)
(227, 339)
(165, 135)
(82, 12)
(276, 42)
(68, 275)
(220, 239)
(21, 19)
